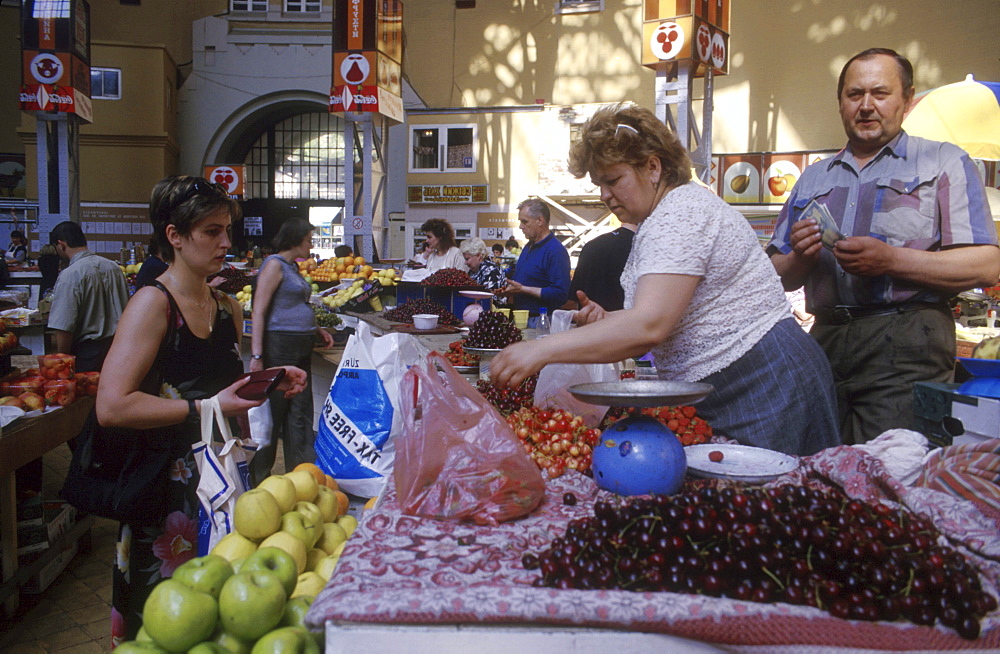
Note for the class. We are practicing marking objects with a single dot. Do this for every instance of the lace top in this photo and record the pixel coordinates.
(739, 297)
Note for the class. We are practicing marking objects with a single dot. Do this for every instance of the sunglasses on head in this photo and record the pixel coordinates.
(203, 187)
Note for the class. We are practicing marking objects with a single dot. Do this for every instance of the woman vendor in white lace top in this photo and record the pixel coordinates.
(700, 294)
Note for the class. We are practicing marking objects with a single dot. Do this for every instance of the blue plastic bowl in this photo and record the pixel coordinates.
(639, 456)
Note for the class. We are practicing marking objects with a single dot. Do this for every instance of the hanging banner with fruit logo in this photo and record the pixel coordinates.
(55, 57)
(367, 56)
(693, 31)
(230, 177)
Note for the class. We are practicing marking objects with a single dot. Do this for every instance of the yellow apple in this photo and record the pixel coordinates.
(309, 510)
(337, 551)
(332, 536)
(309, 584)
(282, 489)
(234, 546)
(313, 557)
(300, 526)
(305, 485)
(285, 541)
(326, 566)
(327, 503)
(257, 514)
(349, 523)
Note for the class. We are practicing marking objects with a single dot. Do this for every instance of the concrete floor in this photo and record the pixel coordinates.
(74, 613)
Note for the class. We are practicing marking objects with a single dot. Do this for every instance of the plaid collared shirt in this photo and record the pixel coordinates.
(915, 193)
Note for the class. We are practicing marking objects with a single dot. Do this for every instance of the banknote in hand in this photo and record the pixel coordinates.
(829, 232)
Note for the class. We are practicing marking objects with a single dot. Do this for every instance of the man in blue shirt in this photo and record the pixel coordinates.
(541, 276)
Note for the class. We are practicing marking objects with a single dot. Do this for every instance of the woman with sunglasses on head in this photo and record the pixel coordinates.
(183, 335)
(286, 333)
(699, 293)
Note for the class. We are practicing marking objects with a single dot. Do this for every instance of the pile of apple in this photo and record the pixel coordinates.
(211, 605)
(297, 514)
(8, 339)
(288, 536)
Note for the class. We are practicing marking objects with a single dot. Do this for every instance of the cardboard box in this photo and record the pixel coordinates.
(31, 511)
(59, 517)
(41, 581)
(947, 417)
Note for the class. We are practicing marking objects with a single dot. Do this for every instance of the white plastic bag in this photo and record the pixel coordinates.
(362, 412)
(224, 472)
(555, 378)
(261, 424)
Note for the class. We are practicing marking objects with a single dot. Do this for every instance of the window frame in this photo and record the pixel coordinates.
(105, 69)
(579, 6)
(252, 6)
(309, 7)
(442, 161)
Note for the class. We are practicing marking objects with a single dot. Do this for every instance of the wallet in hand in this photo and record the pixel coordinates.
(261, 383)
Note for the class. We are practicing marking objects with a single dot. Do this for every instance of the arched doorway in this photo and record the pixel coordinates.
(293, 153)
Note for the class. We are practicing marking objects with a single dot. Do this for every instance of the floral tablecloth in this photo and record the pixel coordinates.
(400, 570)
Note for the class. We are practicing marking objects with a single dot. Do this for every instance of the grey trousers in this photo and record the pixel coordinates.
(292, 418)
(876, 362)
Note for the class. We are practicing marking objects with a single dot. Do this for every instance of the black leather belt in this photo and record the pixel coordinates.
(841, 315)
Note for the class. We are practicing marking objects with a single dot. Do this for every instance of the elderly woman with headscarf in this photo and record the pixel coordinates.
(700, 294)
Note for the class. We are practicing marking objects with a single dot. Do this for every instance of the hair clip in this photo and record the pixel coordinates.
(628, 127)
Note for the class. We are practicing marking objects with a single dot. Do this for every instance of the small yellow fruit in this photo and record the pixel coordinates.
(305, 485)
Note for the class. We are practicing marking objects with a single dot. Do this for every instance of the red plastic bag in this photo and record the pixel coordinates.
(457, 458)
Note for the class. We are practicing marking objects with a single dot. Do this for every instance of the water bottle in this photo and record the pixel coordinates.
(543, 322)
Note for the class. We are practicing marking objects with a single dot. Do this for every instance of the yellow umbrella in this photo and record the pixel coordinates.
(966, 113)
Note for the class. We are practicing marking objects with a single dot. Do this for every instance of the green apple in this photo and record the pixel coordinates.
(349, 523)
(309, 584)
(287, 640)
(256, 515)
(282, 489)
(251, 604)
(208, 647)
(327, 503)
(285, 541)
(326, 567)
(143, 636)
(231, 643)
(238, 563)
(205, 574)
(139, 647)
(277, 561)
(314, 556)
(234, 546)
(301, 526)
(177, 617)
(315, 288)
(295, 611)
(309, 510)
(305, 485)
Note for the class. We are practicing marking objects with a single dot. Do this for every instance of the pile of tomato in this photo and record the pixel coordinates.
(556, 440)
(683, 421)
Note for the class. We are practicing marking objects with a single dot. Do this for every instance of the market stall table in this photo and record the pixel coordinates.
(22, 441)
(457, 587)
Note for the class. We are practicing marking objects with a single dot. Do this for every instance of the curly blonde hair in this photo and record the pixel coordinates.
(629, 134)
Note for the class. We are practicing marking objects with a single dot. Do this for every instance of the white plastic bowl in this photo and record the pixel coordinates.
(425, 320)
